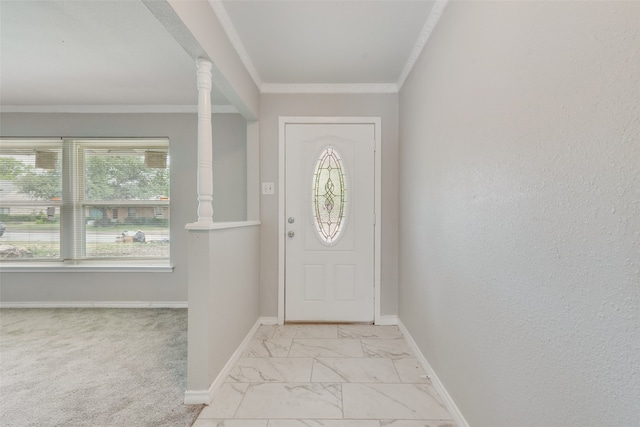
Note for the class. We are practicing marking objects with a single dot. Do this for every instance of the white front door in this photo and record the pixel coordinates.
(329, 222)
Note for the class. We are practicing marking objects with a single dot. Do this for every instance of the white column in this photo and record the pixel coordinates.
(205, 169)
(200, 273)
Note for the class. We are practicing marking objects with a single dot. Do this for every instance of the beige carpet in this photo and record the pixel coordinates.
(94, 367)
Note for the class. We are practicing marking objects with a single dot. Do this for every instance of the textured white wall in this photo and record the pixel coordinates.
(364, 105)
(235, 303)
(224, 298)
(520, 211)
(229, 132)
(229, 167)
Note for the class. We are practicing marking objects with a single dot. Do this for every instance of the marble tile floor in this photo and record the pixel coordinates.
(326, 375)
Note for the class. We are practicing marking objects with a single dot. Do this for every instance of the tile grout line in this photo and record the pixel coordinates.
(240, 403)
(364, 355)
(247, 389)
(290, 347)
(393, 363)
(313, 365)
(342, 400)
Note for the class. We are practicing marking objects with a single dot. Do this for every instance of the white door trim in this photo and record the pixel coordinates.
(284, 120)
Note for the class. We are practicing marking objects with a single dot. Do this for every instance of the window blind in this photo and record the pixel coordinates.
(97, 198)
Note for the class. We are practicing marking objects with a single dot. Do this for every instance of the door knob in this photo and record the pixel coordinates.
(291, 234)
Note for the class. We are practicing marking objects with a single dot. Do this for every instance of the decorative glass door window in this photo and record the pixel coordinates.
(329, 196)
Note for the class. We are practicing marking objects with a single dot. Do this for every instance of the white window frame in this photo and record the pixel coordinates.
(72, 206)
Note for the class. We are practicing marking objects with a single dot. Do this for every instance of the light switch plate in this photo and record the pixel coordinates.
(268, 188)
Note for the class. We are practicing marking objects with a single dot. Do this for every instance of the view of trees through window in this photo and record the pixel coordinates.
(37, 184)
(114, 203)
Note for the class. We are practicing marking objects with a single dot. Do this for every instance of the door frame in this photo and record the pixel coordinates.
(283, 121)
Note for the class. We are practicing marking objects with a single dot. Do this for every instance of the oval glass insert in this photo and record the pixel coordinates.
(330, 196)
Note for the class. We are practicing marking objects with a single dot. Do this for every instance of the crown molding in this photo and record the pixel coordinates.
(225, 20)
(329, 88)
(114, 109)
(234, 38)
(428, 27)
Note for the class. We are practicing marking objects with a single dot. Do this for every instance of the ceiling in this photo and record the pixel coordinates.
(116, 53)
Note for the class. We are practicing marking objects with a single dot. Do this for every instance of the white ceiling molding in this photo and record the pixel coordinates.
(114, 109)
(329, 88)
(234, 38)
(230, 30)
(427, 29)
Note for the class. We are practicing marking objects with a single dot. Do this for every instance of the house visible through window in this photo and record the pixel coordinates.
(75, 200)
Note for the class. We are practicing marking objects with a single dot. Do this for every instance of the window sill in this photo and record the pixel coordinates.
(86, 267)
(220, 225)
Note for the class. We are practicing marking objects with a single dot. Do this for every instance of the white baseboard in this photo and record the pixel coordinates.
(198, 397)
(382, 321)
(437, 384)
(268, 320)
(387, 321)
(95, 304)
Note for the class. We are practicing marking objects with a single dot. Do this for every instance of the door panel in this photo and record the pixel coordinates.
(329, 207)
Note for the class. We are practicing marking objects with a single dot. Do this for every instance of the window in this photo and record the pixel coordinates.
(90, 199)
(329, 196)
